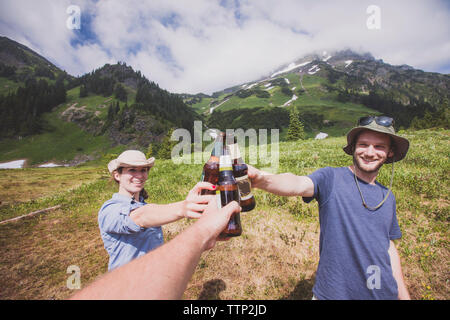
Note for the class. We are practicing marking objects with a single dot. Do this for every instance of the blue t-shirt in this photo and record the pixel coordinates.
(354, 241)
(122, 237)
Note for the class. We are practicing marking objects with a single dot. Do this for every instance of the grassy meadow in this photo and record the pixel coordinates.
(275, 258)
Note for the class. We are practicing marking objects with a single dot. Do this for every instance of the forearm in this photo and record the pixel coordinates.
(173, 263)
(403, 293)
(152, 215)
(285, 184)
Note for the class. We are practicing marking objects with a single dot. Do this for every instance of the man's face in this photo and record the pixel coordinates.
(371, 150)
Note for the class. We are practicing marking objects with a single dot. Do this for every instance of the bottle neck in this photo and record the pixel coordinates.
(225, 167)
(235, 153)
(225, 163)
(216, 151)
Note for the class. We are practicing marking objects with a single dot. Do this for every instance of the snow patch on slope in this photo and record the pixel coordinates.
(290, 67)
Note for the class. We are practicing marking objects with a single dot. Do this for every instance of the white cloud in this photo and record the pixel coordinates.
(200, 46)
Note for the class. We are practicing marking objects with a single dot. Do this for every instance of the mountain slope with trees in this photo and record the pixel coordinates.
(114, 101)
(331, 91)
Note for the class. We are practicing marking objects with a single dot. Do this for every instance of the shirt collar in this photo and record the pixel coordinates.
(123, 198)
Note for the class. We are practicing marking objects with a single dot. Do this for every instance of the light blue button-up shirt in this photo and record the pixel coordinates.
(124, 240)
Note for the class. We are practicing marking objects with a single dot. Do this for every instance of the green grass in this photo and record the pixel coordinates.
(203, 106)
(64, 142)
(249, 102)
(315, 99)
(275, 258)
(94, 103)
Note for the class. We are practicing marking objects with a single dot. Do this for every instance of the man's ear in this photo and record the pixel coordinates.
(391, 153)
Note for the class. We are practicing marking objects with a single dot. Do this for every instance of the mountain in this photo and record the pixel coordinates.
(122, 103)
(19, 63)
(113, 102)
(143, 106)
(331, 91)
(116, 106)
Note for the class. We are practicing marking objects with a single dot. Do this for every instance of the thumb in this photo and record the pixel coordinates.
(229, 209)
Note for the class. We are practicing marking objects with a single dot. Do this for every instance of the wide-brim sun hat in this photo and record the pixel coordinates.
(401, 145)
(130, 158)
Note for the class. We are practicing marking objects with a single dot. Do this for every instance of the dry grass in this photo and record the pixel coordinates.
(24, 185)
(275, 258)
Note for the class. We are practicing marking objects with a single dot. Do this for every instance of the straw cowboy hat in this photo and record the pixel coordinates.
(381, 124)
(130, 158)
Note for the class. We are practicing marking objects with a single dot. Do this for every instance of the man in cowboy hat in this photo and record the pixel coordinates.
(358, 223)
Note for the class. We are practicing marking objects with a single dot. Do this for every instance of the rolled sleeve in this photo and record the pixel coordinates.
(115, 218)
(323, 183)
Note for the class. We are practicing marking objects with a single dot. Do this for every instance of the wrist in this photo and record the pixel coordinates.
(203, 234)
(260, 180)
(182, 212)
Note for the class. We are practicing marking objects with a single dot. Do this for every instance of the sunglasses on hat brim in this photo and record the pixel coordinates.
(381, 120)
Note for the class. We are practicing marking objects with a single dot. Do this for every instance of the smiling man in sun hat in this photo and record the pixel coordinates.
(358, 222)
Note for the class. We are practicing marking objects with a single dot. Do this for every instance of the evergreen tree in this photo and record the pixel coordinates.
(150, 151)
(296, 130)
(83, 91)
(165, 150)
(120, 92)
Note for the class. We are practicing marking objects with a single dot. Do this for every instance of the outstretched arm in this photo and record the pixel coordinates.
(152, 214)
(284, 184)
(403, 293)
(165, 272)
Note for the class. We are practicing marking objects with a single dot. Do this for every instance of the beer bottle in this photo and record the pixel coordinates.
(211, 168)
(240, 170)
(228, 191)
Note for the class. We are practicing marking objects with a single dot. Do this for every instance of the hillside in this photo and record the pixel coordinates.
(330, 91)
(19, 63)
(117, 101)
(277, 254)
(114, 106)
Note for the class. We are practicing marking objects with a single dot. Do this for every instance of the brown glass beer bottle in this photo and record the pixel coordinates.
(240, 170)
(211, 168)
(227, 191)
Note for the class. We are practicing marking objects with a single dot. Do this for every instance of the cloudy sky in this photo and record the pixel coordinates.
(207, 45)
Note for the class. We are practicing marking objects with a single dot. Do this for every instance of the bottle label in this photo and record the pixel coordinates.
(244, 186)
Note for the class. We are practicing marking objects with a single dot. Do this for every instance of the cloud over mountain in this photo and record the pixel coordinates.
(202, 45)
